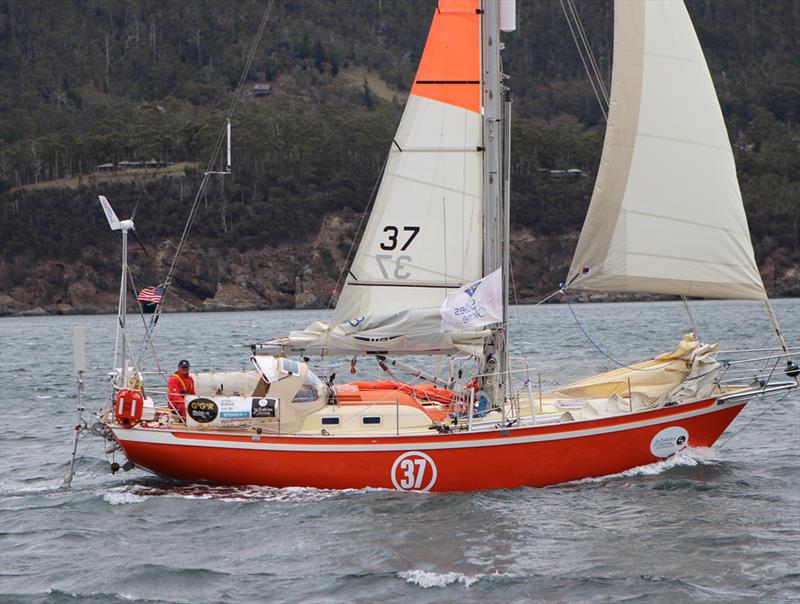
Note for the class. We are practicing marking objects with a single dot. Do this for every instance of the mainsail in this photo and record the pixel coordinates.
(424, 234)
(666, 215)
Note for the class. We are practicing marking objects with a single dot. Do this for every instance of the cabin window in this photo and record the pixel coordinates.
(330, 421)
(311, 390)
(290, 366)
(371, 420)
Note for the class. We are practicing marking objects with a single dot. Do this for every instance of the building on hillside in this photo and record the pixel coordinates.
(130, 165)
(262, 89)
(571, 173)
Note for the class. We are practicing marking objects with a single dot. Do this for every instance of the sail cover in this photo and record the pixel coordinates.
(666, 215)
(424, 235)
(415, 331)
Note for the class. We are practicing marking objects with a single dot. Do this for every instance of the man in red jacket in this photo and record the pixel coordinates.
(180, 384)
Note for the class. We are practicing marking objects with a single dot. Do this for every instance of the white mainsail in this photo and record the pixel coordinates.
(424, 237)
(666, 215)
(424, 234)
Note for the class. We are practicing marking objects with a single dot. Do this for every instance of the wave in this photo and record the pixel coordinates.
(136, 493)
(691, 456)
(427, 579)
(122, 497)
(57, 596)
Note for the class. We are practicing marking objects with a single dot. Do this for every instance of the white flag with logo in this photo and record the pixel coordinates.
(475, 305)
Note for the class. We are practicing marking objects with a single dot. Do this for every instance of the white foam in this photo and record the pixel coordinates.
(236, 494)
(122, 497)
(691, 456)
(426, 579)
(17, 489)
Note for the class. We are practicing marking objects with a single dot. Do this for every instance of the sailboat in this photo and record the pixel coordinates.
(430, 277)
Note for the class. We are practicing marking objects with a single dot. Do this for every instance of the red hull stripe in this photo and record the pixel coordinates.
(330, 444)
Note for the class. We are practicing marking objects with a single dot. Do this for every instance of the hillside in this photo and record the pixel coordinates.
(105, 81)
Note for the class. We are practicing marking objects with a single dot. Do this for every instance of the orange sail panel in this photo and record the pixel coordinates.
(450, 67)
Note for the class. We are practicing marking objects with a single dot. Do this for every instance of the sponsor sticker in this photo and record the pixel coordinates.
(263, 407)
(669, 441)
(202, 410)
(414, 471)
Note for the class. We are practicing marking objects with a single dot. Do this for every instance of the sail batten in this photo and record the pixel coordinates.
(666, 214)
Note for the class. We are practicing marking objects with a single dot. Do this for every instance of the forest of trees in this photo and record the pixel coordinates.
(87, 82)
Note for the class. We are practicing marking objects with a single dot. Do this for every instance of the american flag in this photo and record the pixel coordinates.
(151, 295)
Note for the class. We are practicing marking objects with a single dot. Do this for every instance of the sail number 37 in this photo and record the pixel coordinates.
(392, 234)
(393, 239)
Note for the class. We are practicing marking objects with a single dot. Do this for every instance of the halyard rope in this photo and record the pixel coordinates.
(608, 356)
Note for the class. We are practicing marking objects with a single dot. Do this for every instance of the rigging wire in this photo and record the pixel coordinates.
(346, 264)
(587, 47)
(592, 82)
(213, 160)
(757, 417)
(695, 325)
(148, 333)
(547, 297)
(603, 352)
(514, 289)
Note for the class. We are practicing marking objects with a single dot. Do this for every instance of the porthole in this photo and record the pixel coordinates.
(371, 420)
(330, 421)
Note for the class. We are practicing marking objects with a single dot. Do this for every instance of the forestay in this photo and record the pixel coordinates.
(666, 215)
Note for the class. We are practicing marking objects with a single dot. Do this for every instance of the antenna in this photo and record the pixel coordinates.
(79, 342)
(227, 170)
(228, 165)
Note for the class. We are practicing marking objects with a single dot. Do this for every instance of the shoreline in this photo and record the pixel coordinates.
(68, 310)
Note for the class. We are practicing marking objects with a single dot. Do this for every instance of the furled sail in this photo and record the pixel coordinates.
(666, 215)
(424, 235)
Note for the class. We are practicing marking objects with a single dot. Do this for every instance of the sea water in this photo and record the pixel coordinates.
(707, 525)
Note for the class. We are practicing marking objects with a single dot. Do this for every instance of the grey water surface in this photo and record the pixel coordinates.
(718, 525)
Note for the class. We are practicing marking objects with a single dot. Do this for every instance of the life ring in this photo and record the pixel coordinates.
(128, 407)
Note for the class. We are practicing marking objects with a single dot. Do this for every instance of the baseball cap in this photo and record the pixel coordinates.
(183, 363)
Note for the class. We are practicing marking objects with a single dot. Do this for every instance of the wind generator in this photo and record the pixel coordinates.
(125, 226)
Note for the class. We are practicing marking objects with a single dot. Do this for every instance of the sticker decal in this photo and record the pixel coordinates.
(263, 407)
(414, 471)
(202, 410)
(669, 441)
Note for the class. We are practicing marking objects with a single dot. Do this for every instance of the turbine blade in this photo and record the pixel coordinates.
(113, 221)
(139, 241)
(136, 207)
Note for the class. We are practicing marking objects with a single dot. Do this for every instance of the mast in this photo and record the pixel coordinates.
(122, 313)
(492, 132)
(492, 220)
(495, 105)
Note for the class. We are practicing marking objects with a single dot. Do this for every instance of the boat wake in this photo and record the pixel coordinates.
(136, 493)
(691, 456)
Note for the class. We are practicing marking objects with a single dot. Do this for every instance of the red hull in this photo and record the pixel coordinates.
(528, 456)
